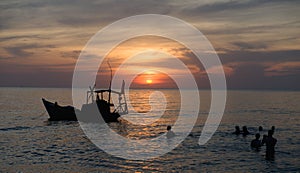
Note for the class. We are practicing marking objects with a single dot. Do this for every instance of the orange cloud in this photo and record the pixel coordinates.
(282, 69)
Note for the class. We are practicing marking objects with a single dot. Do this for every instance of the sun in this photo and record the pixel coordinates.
(149, 81)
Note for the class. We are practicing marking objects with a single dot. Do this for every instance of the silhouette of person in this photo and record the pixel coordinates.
(245, 131)
(263, 141)
(256, 143)
(273, 129)
(260, 128)
(170, 133)
(270, 145)
(237, 130)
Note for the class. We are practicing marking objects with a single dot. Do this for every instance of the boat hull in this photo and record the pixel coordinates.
(59, 113)
(87, 114)
(94, 112)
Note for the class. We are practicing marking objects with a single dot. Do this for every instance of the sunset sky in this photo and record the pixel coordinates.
(257, 41)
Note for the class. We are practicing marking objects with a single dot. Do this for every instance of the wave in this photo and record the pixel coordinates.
(15, 128)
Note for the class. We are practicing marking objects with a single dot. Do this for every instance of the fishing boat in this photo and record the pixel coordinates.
(95, 104)
(95, 99)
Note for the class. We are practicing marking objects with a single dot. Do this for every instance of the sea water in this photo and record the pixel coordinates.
(30, 143)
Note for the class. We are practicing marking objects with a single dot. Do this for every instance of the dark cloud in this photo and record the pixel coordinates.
(283, 69)
(263, 70)
(24, 50)
(249, 46)
(20, 37)
(58, 75)
(19, 51)
(257, 69)
(71, 54)
(244, 17)
(232, 5)
(99, 12)
(259, 28)
(260, 56)
(252, 76)
(76, 12)
(246, 73)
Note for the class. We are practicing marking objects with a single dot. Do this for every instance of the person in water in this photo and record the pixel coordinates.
(256, 143)
(237, 130)
(170, 133)
(263, 141)
(260, 128)
(245, 131)
(270, 145)
(273, 129)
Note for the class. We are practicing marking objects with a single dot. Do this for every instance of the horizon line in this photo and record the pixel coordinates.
(229, 89)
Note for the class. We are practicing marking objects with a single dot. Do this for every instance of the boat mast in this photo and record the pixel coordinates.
(109, 90)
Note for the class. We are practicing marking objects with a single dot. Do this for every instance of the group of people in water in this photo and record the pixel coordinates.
(256, 143)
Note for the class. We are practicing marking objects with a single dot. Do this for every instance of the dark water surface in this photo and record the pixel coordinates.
(29, 143)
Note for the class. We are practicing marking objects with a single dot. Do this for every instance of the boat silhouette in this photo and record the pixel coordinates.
(95, 99)
(89, 112)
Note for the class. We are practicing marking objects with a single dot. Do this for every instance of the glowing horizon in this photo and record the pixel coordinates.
(258, 48)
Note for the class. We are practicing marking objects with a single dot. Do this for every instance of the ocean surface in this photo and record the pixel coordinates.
(30, 143)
